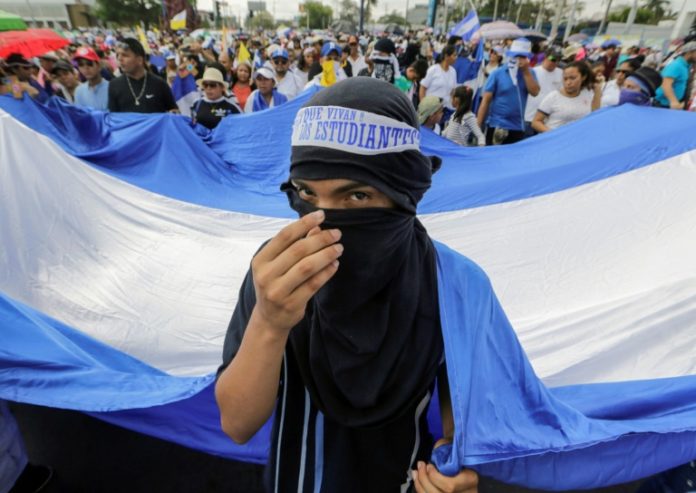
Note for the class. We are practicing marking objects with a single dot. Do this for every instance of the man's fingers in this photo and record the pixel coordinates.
(465, 480)
(309, 288)
(304, 270)
(422, 482)
(298, 252)
(289, 235)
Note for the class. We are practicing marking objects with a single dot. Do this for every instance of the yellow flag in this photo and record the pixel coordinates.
(328, 73)
(243, 54)
(143, 38)
(224, 38)
(178, 21)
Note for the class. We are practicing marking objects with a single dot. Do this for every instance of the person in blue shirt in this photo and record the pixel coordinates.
(94, 92)
(675, 77)
(505, 96)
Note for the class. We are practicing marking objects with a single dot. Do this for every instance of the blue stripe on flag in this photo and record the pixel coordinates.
(467, 27)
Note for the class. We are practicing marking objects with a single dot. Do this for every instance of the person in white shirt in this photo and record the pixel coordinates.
(441, 79)
(286, 82)
(550, 78)
(579, 96)
(356, 59)
(610, 94)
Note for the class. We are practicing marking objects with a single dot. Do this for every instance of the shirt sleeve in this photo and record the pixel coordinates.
(472, 124)
(492, 82)
(672, 70)
(547, 104)
(428, 77)
(249, 105)
(239, 321)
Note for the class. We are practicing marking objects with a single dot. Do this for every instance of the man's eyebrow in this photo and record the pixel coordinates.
(342, 189)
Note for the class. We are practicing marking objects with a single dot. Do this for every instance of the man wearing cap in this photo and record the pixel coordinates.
(337, 326)
(20, 68)
(137, 90)
(675, 77)
(430, 111)
(94, 92)
(265, 95)
(504, 100)
(286, 82)
(550, 78)
(213, 106)
(66, 77)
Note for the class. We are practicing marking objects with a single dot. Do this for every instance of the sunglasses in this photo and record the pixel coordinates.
(353, 44)
(280, 61)
(210, 85)
(85, 63)
(622, 71)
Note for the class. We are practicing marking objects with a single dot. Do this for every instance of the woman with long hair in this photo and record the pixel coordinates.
(463, 123)
(580, 95)
(441, 79)
(243, 85)
(303, 65)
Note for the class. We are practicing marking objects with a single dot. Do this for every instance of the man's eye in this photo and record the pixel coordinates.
(304, 191)
(360, 196)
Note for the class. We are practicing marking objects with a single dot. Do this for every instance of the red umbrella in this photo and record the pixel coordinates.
(30, 43)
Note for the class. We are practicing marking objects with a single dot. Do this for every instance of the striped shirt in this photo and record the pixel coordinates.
(460, 132)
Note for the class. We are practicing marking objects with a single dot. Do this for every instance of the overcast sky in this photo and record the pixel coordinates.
(286, 9)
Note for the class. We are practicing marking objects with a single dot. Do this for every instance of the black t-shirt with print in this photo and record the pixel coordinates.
(209, 114)
(156, 98)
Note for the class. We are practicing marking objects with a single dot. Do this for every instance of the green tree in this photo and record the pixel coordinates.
(393, 18)
(261, 20)
(643, 16)
(319, 15)
(129, 12)
(658, 8)
(349, 11)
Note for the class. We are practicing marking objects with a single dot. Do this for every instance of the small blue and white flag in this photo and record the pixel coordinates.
(185, 93)
(468, 27)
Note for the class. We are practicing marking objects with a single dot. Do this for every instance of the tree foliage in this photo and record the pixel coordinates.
(320, 16)
(349, 11)
(129, 12)
(261, 20)
(643, 16)
(393, 18)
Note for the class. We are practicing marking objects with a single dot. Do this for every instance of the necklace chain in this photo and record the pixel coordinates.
(142, 91)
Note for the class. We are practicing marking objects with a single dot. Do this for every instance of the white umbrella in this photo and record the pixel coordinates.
(501, 30)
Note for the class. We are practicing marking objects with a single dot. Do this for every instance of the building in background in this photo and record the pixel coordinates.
(53, 13)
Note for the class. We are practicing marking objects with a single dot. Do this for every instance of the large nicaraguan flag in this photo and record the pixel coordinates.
(126, 237)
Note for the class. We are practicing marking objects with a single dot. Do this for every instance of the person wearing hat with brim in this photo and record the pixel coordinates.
(640, 87)
(138, 90)
(94, 92)
(65, 75)
(286, 81)
(21, 79)
(430, 111)
(46, 61)
(213, 105)
(502, 108)
(265, 95)
(675, 77)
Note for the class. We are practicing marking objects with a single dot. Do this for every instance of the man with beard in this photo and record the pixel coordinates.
(337, 325)
(138, 90)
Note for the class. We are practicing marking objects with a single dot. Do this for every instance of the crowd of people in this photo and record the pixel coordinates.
(521, 89)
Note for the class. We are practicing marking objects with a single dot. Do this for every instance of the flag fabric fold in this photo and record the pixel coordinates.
(122, 257)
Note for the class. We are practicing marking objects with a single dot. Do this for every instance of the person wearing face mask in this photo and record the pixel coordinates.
(505, 94)
(640, 87)
(610, 93)
(328, 71)
(337, 325)
(579, 96)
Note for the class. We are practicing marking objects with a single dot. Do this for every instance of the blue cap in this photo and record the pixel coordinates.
(328, 47)
(280, 53)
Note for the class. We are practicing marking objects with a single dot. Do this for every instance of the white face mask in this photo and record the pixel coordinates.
(513, 67)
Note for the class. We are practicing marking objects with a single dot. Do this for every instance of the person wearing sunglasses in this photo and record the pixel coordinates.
(94, 92)
(612, 89)
(286, 81)
(213, 105)
(66, 77)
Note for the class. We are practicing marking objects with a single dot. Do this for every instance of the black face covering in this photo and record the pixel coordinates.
(370, 343)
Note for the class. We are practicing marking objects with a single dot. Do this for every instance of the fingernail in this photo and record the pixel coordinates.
(335, 263)
(414, 473)
(338, 247)
(336, 234)
(318, 214)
